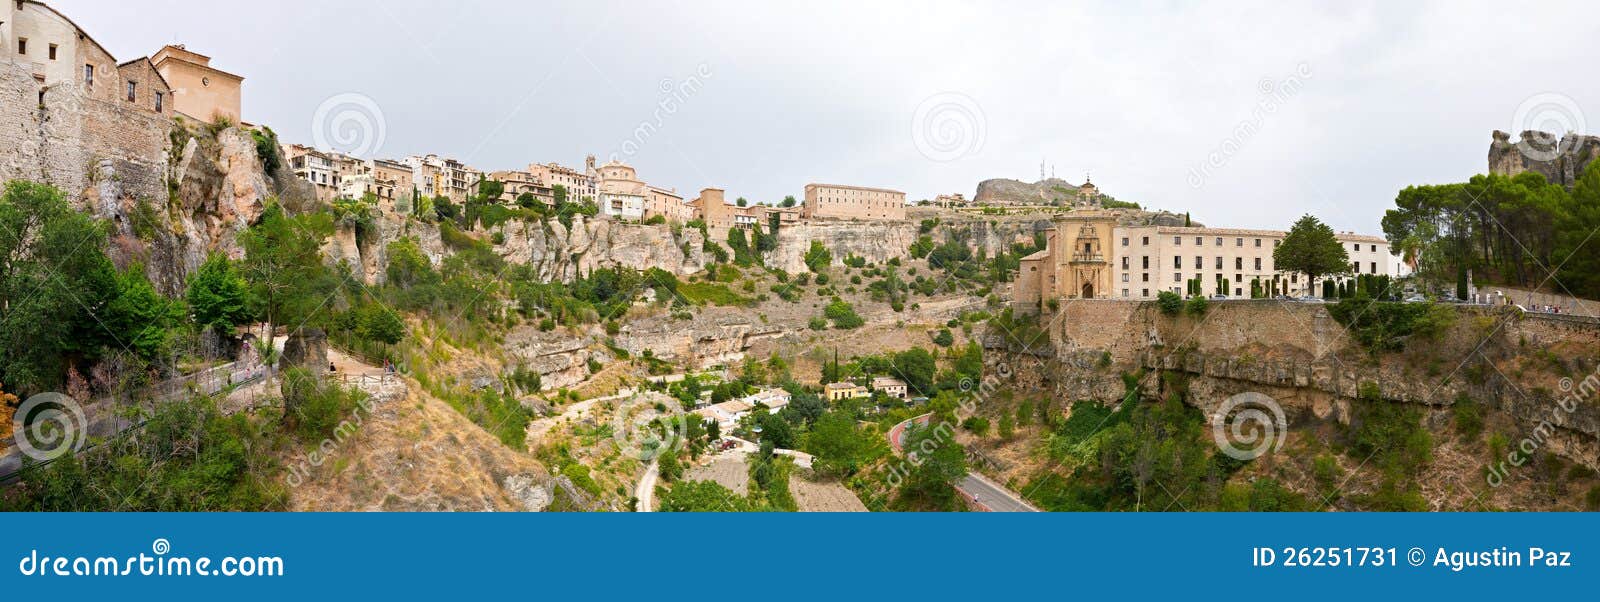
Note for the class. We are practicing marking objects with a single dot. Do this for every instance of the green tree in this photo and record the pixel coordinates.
(916, 366)
(938, 463)
(55, 283)
(818, 257)
(283, 263)
(140, 318)
(838, 447)
(1311, 248)
(218, 295)
(381, 324)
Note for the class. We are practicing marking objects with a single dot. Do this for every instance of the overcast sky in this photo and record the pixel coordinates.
(1247, 116)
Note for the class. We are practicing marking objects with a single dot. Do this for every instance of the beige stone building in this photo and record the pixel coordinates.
(622, 194)
(832, 201)
(579, 184)
(199, 91)
(1139, 262)
(518, 183)
(1076, 262)
(313, 166)
(667, 203)
(72, 116)
(392, 179)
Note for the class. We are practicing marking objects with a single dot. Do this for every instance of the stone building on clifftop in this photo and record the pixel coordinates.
(72, 116)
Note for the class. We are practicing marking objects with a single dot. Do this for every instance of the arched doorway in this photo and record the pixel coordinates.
(1088, 290)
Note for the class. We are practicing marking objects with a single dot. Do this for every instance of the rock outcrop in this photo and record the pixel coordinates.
(1005, 191)
(1561, 161)
(1305, 360)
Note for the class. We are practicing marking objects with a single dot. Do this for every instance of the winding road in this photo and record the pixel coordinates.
(982, 492)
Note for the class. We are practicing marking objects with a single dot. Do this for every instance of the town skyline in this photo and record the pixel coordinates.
(747, 132)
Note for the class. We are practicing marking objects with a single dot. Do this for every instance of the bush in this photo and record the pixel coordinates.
(844, 316)
(1196, 306)
(943, 338)
(1169, 302)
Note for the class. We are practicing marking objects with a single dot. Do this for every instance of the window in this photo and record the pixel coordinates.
(22, 45)
(1199, 240)
(1238, 277)
(1177, 262)
(1146, 241)
(1198, 261)
(1177, 276)
(1258, 264)
(132, 86)
(1124, 277)
(1146, 277)
(1177, 241)
(1219, 241)
(1374, 266)
(1355, 267)
(1219, 262)
(88, 75)
(1258, 243)
(1238, 263)
(159, 97)
(52, 52)
(1146, 262)
(1124, 263)
(1144, 292)
(1124, 243)
(1238, 242)
(1124, 292)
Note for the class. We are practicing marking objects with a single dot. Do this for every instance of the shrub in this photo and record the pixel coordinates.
(1196, 306)
(1169, 302)
(844, 316)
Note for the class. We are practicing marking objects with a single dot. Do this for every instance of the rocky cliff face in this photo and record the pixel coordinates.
(556, 252)
(218, 187)
(1561, 161)
(1300, 356)
(1005, 191)
(876, 241)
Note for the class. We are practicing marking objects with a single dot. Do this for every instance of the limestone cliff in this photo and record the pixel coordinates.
(1005, 191)
(1560, 161)
(1299, 355)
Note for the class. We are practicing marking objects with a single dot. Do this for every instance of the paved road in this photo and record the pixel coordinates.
(991, 495)
(646, 491)
(987, 494)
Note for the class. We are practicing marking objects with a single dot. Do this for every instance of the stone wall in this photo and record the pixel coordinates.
(63, 137)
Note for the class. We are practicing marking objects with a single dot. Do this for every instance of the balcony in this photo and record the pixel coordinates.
(1083, 257)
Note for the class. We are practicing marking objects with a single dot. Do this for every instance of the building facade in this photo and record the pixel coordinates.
(518, 183)
(832, 201)
(199, 91)
(68, 109)
(1139, 262)
(579, 184)
(313, 166)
